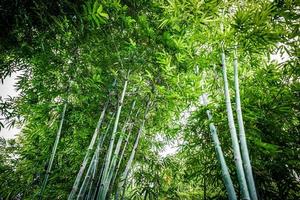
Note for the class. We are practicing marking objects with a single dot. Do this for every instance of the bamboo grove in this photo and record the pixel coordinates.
(105, 87)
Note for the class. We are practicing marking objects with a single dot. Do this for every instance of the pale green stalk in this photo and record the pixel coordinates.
(117, 149)
(96, 153)
(87, 155)
(102, 167)
(53, 151)
(243, 142)
(130, 161)
(86, 181)
(123, 151)
(225, 172)
(92, 168)
(234, 138)
(111, 145)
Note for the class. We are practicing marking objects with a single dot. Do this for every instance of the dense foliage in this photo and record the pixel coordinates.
(146, 65)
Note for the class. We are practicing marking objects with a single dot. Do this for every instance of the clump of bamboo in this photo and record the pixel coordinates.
(92, 169)
(105, 175)
(124, 176)
(232, 129)
(117, 150)
(89, 150)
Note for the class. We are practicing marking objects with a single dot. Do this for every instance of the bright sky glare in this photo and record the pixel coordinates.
(8, 89)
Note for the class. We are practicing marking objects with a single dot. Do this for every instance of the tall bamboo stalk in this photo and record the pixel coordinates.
(87, 155)
(225, 172)
(111, 145)
(234, 138)
(96, 161)
(124, 176)
(115, 156)
(123, 151)
(53, 151)
(90, 174)
(242, 135)
(86, 181)
(91, 170)
(93, 195)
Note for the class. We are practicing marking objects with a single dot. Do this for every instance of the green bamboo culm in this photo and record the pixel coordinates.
(234, 138)
(53, 151)
(124, 176)
(92, 194)
(87, 155)
(116, 156)
(242, 135)
(90, 174)
(225, 172)
(103, 184)
(123, 150)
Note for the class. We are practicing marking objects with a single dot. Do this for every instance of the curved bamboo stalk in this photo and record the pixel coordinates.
(234, 138)
(242, 135)
(53, 151)
(225, 172)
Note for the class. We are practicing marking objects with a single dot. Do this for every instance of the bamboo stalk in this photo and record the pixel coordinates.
(117, 149)
(129, 162)
(234, 138)
(109, 152)
(90, 174)
(242, 135)
(225, 172)
(101, 171)
(53, 151)
(92, 168)
(86, 181)
(123, 151)
(96, 153)
(87, 155)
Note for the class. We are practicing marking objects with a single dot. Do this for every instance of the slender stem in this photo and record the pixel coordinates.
(53, 151)
(123, 151)
(111, 145)
(97, 153)
(101, 171)
(225, 172)
(242, 135)
(234, 138)
(87, 155)
(129, 163)
(113, 165)
(92, 167)
(86, 181)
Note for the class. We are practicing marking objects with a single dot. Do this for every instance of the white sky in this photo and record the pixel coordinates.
(8, 89)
